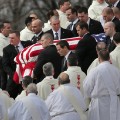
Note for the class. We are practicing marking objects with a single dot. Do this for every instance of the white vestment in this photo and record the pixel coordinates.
(19, 111)
(76, 76)
(21, 95)
(26, 34)
(46, 86)
(47, 26)
(63, 19)
(95, 9)
(60, 107)
(4, 41)
(102, 85)
(5, 103)
(93, 65)
(115, 56)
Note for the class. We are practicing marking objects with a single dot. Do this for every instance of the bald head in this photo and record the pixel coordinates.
(37, 26)
(31, 88)
(101, 46)
(109, 29)
(63, 78)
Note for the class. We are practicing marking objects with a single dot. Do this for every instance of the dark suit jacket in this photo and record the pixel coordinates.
(111, 45)
(64, 33)
(74, 31)
(9, 53)
(64, 65)
(95, 27)
(116, 21)
(86, 51)
(118, 5)
(35, 39)
(49, 54)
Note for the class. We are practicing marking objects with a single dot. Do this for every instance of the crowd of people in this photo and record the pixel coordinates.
(55, 81)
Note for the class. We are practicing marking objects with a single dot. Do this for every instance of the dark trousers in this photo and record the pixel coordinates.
(3, 76)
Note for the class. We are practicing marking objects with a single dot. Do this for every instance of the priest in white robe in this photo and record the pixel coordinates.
(102, 85)
(48, 84)
(99, 46)
(60, 105)
(30, 107)
(5, 103)
(75, 73)
(25, 82)
(115, 54)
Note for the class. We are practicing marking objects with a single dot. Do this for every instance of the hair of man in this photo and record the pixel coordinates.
(48, 69)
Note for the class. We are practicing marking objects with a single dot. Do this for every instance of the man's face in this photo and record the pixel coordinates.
(45, 42)
(80, 31)
(106, 17)
(36, 27)
(108, 30)
(55, 24)
(83, 17)
(66, 5)
(70, 16)
(6, 30)
(14, 39)
(61, 51)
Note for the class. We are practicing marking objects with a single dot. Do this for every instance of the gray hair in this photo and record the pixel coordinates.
(48, 36)
(48, 69)
(32, 88)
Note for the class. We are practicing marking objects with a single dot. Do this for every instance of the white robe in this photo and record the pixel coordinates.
(46, 86)
(115, 56)
(26, 34)
(4, 41)
(18, 111)
(5, 103)
(21, 95)
(95, 10)
(63, 19)
(76, 76)
(95, 87)
(59, 106)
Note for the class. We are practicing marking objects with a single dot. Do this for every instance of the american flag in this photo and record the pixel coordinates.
(100, 37)
(26, 59)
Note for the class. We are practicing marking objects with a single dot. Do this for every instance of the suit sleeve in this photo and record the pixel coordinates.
(40, 62)
(6, 62)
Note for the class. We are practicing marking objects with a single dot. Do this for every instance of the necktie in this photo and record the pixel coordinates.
(16, 47)
(71, 26)
(56, 36)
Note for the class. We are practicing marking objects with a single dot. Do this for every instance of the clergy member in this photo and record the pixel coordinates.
(30, 107)
(102, 85)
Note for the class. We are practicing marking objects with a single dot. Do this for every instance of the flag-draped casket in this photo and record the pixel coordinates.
(26, 59)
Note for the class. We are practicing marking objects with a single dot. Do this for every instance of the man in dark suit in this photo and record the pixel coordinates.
(37, 29)
(114, 3)
(94, 26)
(109, 29)
(58, 32)
(49, 54)
(64, 50)
(86, 48)
(108, 16)
(9, 53)
(73, 18)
